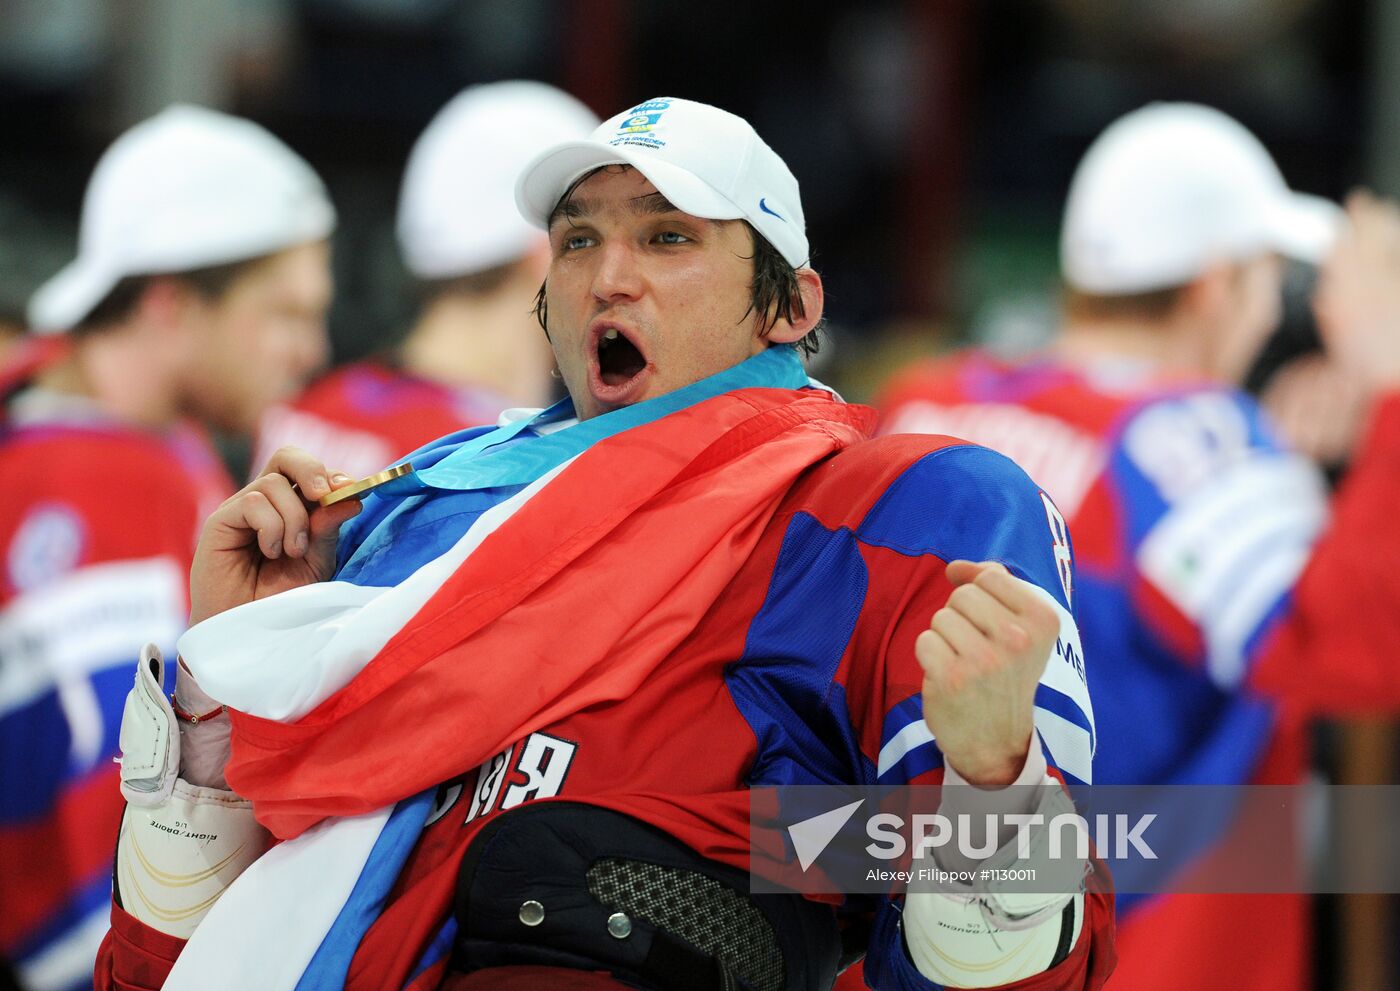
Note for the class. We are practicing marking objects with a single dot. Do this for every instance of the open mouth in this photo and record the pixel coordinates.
(619, 361)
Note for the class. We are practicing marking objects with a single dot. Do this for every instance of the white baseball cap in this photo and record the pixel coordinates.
(1172, 188)
(186, 189)
(706, 161)
(456, 211)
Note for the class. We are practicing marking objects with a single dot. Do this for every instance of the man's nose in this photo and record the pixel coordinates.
(617, 275)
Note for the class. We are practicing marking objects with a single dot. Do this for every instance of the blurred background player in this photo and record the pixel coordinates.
(1221, 601)
(197, 298)
(475, 348)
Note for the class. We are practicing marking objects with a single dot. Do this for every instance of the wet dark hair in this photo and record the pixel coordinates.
(775, 290)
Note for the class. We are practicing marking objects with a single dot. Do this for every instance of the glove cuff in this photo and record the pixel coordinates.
(150, 739)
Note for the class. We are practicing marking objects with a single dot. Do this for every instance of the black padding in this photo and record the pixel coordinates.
(694, 925)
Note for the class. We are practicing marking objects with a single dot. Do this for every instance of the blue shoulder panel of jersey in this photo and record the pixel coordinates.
(1168, 446)
(785, 684)
(970, 503)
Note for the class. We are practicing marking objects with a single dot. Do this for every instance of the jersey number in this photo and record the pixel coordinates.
(543, 765)
(1059, 535)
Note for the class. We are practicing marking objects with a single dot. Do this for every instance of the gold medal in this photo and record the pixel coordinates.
(356, 489)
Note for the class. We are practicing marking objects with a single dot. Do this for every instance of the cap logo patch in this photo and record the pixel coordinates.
(638, 123)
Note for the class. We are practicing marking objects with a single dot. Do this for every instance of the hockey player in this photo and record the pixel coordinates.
(511, 743)
(474, 349)
(1220, 601)
(197, 298)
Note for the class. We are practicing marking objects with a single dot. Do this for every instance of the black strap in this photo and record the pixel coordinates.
(1066, 936)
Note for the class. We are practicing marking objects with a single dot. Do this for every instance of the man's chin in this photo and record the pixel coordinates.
(604, 397)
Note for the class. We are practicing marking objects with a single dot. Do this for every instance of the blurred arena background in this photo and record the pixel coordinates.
(934, 142)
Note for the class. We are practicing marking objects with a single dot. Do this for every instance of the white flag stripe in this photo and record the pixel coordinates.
(282, 656)
(283, 904)
(1229, 628)
(88, 620)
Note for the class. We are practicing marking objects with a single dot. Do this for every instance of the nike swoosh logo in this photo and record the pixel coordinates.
(763, 205)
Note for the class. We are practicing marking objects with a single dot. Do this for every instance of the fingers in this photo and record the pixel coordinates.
(962, 572)
(290, 510)
(325, 524)
(1372, 230)
(993, 578)
(1000, 605)
(305, 471)
(961, 634)
(277, 505)
(980, 628)
(256, 513)
(978, 606)
(1357, 300)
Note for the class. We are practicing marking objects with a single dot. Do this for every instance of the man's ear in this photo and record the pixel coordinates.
(1210, 290)
(809, 286)
(165, 302)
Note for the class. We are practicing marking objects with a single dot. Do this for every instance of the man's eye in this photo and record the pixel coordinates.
(671, 237)
(576, 241)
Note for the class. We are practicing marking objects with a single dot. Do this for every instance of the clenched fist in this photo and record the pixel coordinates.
(983, 655)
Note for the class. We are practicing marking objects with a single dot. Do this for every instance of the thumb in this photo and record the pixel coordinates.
(324, 526)
(966, 572)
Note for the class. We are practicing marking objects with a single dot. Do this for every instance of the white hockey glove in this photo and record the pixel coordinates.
(992, 931)
(180, 846)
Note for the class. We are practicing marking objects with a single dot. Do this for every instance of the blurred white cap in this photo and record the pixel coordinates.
(457, 209)
(186, 189)
(1172, 188)
(706, 161)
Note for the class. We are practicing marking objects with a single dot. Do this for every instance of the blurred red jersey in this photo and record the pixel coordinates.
(363, 417)
(98, 523)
